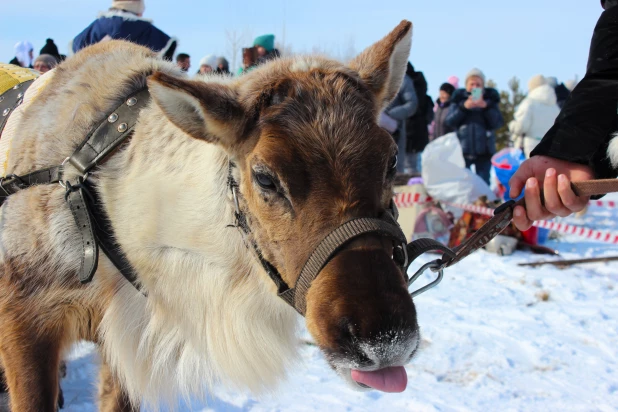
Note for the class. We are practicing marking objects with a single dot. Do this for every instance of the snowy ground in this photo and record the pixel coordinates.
(490, 342)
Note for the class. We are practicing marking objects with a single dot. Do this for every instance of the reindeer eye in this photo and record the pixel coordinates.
(392, 165)
(264, 181)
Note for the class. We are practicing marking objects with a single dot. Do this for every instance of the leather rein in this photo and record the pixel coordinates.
(96, 230)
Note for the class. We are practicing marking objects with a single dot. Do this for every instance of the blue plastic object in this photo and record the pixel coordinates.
(505, 163)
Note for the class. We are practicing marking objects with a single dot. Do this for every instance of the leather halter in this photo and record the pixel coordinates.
(385, 226)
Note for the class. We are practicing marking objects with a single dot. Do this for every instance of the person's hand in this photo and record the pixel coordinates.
(469, 104)
(555, 177)
(481, 104)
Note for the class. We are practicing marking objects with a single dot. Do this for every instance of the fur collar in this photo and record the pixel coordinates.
(124, 14)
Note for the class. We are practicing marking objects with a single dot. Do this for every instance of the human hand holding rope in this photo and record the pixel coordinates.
(548, 189)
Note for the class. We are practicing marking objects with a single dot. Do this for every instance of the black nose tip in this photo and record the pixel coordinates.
(350, 339)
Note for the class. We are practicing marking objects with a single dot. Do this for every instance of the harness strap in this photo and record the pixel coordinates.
(109, 134)
(419, 247)
(330, 245)
(10, 100)
(13, 183)
(104, 234)
(75, 196)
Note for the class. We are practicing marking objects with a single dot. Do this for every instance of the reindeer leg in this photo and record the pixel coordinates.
(31, 364)
(112, 398)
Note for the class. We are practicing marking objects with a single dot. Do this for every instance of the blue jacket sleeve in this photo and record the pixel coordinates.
(84, 38)
(410, 101)
(456, 115)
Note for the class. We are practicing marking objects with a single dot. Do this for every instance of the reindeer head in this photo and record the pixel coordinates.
(308, 156)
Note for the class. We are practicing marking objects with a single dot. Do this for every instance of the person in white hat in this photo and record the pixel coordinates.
(208, 64)
(124, 21)
(535, 115)
(23, 54)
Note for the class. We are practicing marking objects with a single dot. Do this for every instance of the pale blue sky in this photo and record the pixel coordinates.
(503, 38)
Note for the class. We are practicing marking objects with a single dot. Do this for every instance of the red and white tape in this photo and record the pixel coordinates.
(603, 203)
(600, 236)
(411, 199)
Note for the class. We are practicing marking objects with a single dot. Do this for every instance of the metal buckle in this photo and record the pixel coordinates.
(61, 182)
(435, 266)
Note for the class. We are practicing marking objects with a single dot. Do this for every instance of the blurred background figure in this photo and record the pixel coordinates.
(51, 49)
(45, 62)
(562, 92)
(223, 66)
(475, 115)
(124, 21)
(183, 60)
(417, 128)
(208, 64)
(454, 81)
(535, 115)
(440, 128)
(395, 116)
(23, 54)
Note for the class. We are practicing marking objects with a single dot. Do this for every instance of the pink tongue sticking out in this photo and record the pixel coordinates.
(394, 379)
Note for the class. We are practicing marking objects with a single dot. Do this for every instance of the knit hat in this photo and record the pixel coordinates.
(210, 60)
(475, 72)
(134, 6)
(447, 87)
(51, 49)
(22, 50)
(454, 80)
(536, 81)
(267, 41)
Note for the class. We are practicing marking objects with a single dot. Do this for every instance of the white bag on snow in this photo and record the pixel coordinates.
(445, 175)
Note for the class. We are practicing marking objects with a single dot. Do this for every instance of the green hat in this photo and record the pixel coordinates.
(267, 41)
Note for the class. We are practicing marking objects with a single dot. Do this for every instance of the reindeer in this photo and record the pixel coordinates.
(300, 139)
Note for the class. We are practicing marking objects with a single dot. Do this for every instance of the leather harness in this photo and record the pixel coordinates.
(96, 229)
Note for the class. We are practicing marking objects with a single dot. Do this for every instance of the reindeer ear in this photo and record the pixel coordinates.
(383, 65)
(206, 111)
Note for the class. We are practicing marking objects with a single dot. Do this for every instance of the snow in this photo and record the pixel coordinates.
(495, 336)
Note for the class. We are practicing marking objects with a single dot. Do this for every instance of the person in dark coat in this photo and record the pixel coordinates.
(401, 108)
(475, 121)
(576, 147)
(124, 21)
(51, 49)
(443, 103)
(417, 128)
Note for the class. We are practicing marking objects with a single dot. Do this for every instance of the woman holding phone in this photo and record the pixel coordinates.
(475, 115)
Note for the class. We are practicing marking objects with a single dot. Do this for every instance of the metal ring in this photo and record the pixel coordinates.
(435, 266)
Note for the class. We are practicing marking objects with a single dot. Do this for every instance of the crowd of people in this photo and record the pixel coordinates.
(473, 112)
(124, 20)
(413, 118)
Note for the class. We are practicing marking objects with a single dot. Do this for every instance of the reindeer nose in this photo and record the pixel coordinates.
(359, 309)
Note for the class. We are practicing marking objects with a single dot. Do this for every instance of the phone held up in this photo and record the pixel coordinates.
(476, 93)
